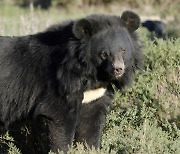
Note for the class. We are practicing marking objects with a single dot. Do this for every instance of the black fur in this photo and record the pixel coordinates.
(158, 27)
(44, 75)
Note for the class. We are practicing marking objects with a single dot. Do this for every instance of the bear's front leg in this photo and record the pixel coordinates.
(62, 120)
(91, 122)
(61, 135)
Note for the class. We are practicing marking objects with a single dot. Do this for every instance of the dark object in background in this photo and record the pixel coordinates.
(158, 27)
(44, 76)
(43, 4)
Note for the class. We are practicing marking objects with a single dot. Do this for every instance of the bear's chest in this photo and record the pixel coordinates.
(92, 95)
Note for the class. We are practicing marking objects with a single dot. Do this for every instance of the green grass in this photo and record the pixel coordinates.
(146, 117)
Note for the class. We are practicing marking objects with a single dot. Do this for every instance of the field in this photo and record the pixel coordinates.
(146, 117)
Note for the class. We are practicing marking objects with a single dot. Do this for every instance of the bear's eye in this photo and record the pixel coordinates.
(123, 51)
(104, 55)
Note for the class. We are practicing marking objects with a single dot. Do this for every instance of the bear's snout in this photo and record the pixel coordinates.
(118, 71)
(118, 66)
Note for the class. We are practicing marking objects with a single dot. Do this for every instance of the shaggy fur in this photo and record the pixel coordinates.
(46, 75)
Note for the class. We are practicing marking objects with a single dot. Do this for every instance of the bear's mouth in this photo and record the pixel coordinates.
(115, 76)
(118, 75)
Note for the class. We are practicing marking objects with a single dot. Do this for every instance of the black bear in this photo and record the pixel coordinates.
(158, 27)
(64, 75)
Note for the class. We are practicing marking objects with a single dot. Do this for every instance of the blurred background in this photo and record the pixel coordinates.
(32, 13)
(146, 117)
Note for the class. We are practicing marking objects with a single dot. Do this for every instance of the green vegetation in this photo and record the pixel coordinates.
(146, 117)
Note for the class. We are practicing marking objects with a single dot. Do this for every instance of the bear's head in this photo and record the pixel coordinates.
(112, 43)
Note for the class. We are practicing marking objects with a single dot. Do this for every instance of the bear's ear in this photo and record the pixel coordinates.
(82, 29)
(131, 20)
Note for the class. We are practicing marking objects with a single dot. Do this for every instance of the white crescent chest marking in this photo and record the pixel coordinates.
(92, 95)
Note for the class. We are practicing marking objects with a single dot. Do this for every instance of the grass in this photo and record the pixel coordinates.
(146, 117)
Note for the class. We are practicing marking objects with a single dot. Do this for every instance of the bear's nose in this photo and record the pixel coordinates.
(118, 71)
